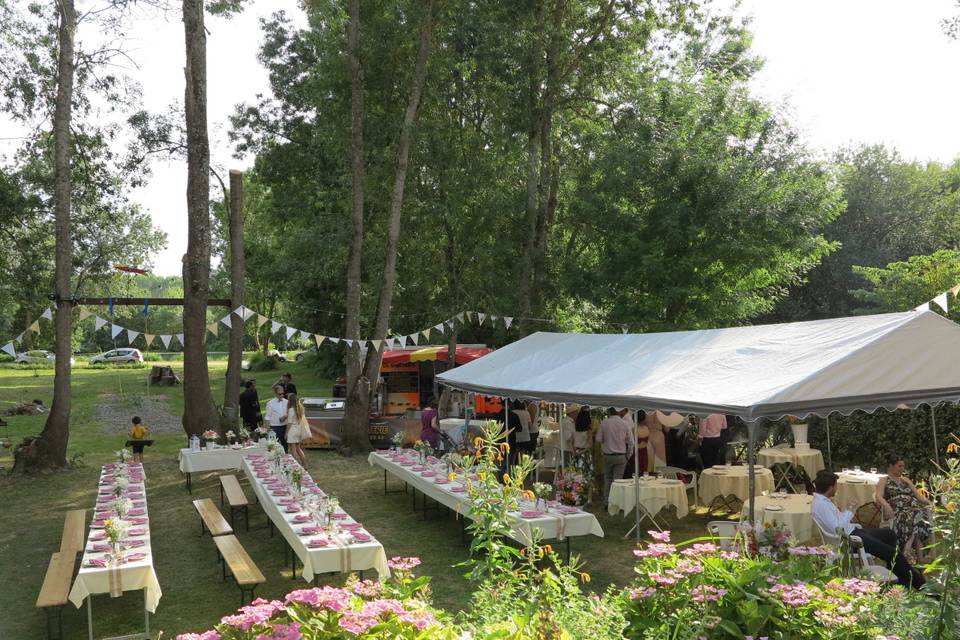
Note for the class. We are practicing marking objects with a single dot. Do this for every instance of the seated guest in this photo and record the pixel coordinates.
(910, 511)
(881, 543)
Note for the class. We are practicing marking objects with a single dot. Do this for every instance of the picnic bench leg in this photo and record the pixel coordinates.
(221, 494)
(246, 516)
(90, 617)
(59, 615)
(189, 483)
(146, 613)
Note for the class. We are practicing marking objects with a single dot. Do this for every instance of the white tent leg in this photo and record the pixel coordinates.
(829, 451)
(751, 440)
(636, 473)
(933, 422)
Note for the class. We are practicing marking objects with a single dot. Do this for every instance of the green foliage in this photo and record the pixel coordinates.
(944, 488)
(260, 362)
(903, 285)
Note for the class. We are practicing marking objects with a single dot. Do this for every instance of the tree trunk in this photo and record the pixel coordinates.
(51, 450)
(232, 390)
(199, 412)
(270, 309)
(355, 438)
(355, 416)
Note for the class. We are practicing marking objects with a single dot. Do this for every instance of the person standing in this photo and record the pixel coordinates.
(296, 421)
(430, 424)
(521, 431)
(615, 437)
(533, 427)
(711, 439)
(138, 431)
(286, 381)
(250, 406)
(277, 415)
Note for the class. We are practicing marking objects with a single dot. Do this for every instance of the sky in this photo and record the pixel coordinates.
(847, 71)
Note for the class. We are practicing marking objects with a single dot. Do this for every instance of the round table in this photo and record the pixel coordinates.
(856, 488)
(810, 459)
(794, 511)
(655, 494)
(722, 481)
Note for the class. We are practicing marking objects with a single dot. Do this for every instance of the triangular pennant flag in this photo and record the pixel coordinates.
(305, 336)
(439, 327)
(148, 338)
(275, 326)
(493, 318)
(291, 332)
(18, 339)
(115, 330)
(9, 349)
(955, 290)
(166, 341)
(226, 320)
(450, 324)
(390, 342)
(349, 343)
(459, 316)
(426, 333)
(132, 335)
(941, 301)
(333, 340)
(481, 317)
(507, 320)
(319, 339)
(98, 323)
(376, 344)
(414, 338)
(180, 338)
(469, 316)
(35, 327)
(922, 307)
(261, 320)
(84, 314)
(213, 328)
(402, 340)
(238, 311)
(48, 314)
(248, 313)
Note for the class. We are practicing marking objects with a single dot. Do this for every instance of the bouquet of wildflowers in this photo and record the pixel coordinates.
(115, 529)
(230, 436)
(123, 456)
(397, 439)
(297, 477)
(122, 506)
(120, 484)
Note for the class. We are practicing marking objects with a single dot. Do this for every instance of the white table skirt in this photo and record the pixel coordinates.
(654, 496)
(215, 459)
(133, 576)
(857, 488)
(795, 513)
(722, 481)
(551, 526)
(359, 556)
(810, 459)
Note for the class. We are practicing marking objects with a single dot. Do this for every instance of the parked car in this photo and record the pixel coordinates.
(118, 355)
(37, 356)
(273, 353)
(300, 355)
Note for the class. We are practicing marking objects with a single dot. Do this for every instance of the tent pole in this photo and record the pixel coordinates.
(829, 450)
(752, 438)
(933, 421)
(562, 466)
(636, 474)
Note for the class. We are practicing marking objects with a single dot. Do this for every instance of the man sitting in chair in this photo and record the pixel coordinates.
(881, 543)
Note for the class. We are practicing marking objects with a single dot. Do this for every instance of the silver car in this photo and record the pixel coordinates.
(37, 356)
(118, 355)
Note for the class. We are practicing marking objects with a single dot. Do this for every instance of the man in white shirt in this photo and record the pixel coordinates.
(277, 415)
(615, 437)
(881, 543)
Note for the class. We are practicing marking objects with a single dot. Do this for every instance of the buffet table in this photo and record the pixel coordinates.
(219, 459)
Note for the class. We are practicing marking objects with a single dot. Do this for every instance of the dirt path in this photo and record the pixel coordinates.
(115, 412)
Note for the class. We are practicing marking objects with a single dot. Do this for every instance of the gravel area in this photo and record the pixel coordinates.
(115, 413)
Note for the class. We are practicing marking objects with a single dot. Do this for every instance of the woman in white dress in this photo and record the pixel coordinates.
(295, 420)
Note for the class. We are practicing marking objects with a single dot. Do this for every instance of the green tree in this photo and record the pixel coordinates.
(903, 285)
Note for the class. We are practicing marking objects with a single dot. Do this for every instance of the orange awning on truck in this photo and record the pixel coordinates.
(433, 353)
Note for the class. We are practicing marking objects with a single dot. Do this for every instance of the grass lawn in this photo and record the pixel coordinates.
(194, 597)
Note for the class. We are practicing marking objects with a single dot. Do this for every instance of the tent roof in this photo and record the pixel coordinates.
(798, 368)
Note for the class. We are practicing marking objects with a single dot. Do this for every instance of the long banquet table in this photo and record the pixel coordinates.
(556, 522)
(98, 574)
(318, 552)
(219, 459)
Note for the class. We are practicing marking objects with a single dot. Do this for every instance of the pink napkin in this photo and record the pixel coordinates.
(351, 526)
(360, 536)
(137, 531)
(527, 513)
(134, 495)
(428, 474)
(302, 518)
(317, 491)
(338, 516)
(287, 500)
(280, 492)
(138, 520)
(458, 489)
(440, 480)
(309, 530)
(568, 510)
(318, 542)
(99, 535)
(133, 557)
(136, 512)
(406, 463)
(418, 468)
(294, 508)
(264, 475)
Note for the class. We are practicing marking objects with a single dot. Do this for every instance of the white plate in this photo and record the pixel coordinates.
(773, 507)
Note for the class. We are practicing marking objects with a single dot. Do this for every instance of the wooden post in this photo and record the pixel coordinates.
(232, 389)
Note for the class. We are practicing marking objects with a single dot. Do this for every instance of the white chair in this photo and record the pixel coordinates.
(835, 541)
(671, 473)
(725, 531)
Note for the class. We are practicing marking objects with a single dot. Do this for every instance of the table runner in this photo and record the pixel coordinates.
(654, 496)
(552, 524)
(341, 556)
(129, 576)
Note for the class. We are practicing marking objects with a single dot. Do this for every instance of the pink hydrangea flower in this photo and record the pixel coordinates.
(206, 635)
(663, 580)
(326, 597)
(659, 536)
(356, 622)
(368, 588)
(641, 594)
(701, 549)
(257, 612)
(655, 550)
(707, 593)
(377, 608)
(854, 586)
(420, 618)
(403, 564)
(282, 632)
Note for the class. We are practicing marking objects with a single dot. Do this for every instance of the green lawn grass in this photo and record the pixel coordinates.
(194, 597)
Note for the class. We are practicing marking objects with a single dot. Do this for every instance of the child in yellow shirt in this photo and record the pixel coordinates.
(138, 431)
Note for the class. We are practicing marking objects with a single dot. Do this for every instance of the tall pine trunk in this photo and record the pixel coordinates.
(355, 430)
(231, 391)
(50, 450)
(199, 412)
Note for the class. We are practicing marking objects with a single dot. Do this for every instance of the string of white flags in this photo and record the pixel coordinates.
(31, 327)
(941, 300)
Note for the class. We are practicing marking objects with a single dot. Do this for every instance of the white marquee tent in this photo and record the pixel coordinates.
(754, 372)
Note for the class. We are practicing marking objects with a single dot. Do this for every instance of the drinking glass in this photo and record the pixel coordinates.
(873, 470)
(856, 469)
(846, 470)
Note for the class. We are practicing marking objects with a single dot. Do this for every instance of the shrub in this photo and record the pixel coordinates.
(260, 362)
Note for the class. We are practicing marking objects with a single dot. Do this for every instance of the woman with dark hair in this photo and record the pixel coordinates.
(899, 498)
(430, 424)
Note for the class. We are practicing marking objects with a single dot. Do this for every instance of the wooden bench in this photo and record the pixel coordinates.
(230, 487)
(73, 529)
(245, 573)
(211, 519)
(56, 588)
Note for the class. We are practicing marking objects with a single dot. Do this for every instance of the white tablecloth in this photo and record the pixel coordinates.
(810, 459)
(216, 459)
(132, 576)
(721, 481)
(342, 556)
(792, 510)
(654, 496)
(856, 488)
(551, 525)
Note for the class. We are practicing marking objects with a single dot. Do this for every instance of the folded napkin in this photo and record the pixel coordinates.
(432, 460)
(418, 468)
(139, 504)
(458, 488)
(567, 510)
(287, 500)
(428, 474)
(102, 562)
(318, 542)
(280, 492)
(137, 531)
(306, 531)
(135, 495)
(317, 491)
(293, 508)
(99, 535)
(264, 475)
(406, 463)
(360, 536)
(136, 512)
(351, 526)
(440, 480)
(302, 518)
(529, 513)
(338, 516)
(137, 520)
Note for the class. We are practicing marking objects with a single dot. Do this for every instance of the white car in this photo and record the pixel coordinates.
(36, 357)
(118, 355)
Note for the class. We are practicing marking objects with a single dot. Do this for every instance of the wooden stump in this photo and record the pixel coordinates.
(163, 376)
